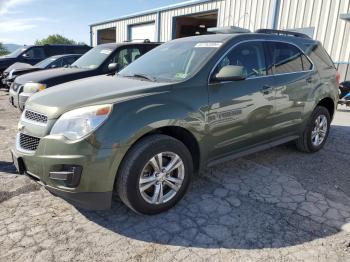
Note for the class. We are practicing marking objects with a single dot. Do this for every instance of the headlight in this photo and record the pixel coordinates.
(81, 122)
(33, 87)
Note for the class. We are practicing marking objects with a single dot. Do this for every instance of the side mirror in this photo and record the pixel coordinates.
(230, 73)
(113, 68)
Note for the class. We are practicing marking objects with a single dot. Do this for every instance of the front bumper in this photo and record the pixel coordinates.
(96, 182)
(18, 99)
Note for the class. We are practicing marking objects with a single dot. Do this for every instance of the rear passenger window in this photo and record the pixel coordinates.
(288, 59)
(250, 56)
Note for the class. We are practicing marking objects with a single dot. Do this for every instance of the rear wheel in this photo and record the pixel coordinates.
(316, 132)
(155, 174)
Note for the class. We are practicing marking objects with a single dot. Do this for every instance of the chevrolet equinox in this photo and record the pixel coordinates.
(186, 105)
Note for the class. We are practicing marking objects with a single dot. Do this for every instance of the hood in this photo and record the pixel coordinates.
(90, 91)
(5, 62)
(53, 76)
(17, 66)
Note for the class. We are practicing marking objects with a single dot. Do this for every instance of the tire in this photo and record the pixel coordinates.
(137, 164)
(306, 142)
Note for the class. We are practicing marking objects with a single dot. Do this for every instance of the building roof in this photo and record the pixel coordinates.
(152, 11)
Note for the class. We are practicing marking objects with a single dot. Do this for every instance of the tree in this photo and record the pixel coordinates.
(3, 50)
(55, 39)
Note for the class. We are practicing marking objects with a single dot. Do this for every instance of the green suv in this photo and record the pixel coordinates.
(188, 104)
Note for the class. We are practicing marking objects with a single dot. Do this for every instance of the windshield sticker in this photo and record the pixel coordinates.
(106, 51)
(209, 44)
(181, 75)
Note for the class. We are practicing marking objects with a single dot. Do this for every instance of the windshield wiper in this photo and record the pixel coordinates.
(144, 76)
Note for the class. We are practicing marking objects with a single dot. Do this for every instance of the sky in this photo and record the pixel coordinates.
(24, 21)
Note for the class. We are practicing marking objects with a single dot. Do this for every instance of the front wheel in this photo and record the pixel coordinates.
(155, 174)
(316, 132)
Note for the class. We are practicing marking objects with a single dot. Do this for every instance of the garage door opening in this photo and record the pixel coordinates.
(106, 36)
(142, 32)
(194, 24)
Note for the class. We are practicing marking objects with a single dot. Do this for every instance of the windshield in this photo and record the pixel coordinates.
(43, 64)
(172, 62)
(16, 53)
(94, 58)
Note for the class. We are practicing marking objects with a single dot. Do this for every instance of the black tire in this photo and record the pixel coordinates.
(304, 143)
(135, 160)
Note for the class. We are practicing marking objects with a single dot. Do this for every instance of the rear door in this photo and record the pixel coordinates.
(240, 112)
(293, 78)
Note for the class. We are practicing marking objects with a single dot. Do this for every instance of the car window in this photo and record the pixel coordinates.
(94, 58)
(321, 57)
(250, 56)
(35, 53)
(56, 63)
(69, 60)
(126, 56)
(174, 61)
(288, 58)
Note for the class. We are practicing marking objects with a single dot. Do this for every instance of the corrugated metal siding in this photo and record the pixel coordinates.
(333, 32)
(167, 17)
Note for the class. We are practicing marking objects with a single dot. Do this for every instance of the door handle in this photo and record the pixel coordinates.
(266, 89)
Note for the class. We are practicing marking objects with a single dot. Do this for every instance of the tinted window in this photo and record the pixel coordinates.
(321, 58)
(250, 56)
(35, 53)
(288, 59)
(69, 60)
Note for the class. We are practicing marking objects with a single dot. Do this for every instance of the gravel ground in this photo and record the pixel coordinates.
(276, 205)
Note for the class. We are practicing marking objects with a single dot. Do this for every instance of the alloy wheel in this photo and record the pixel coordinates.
(319, 131)
(161, 178)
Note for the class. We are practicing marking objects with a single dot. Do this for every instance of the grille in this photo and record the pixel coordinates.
(36, 117)
(28, 142)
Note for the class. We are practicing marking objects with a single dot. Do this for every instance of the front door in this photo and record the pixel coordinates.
(240, 113)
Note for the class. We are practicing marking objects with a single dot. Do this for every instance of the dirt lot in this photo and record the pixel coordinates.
(277, 205)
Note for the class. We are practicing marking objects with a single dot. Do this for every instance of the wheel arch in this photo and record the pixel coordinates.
(182, 134)
(329, 104)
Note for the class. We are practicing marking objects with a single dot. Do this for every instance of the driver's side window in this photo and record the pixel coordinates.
(250, 56)
(35, 53)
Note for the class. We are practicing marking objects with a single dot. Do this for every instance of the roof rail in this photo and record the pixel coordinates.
(138, 40)
(282, 32)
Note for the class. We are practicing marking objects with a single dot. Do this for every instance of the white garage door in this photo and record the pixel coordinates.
(143, 31)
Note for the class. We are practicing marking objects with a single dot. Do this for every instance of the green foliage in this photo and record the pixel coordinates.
(3, 50)
(56, 39)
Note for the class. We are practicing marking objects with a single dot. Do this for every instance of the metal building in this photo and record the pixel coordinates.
(326, 20)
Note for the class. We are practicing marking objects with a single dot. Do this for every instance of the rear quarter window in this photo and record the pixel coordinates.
(321, 58)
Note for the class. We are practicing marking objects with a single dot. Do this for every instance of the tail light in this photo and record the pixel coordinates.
(337, 78)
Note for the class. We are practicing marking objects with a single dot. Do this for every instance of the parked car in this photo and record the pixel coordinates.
(188, 104)
(18, 69)
(98, 61)
(34, 54)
